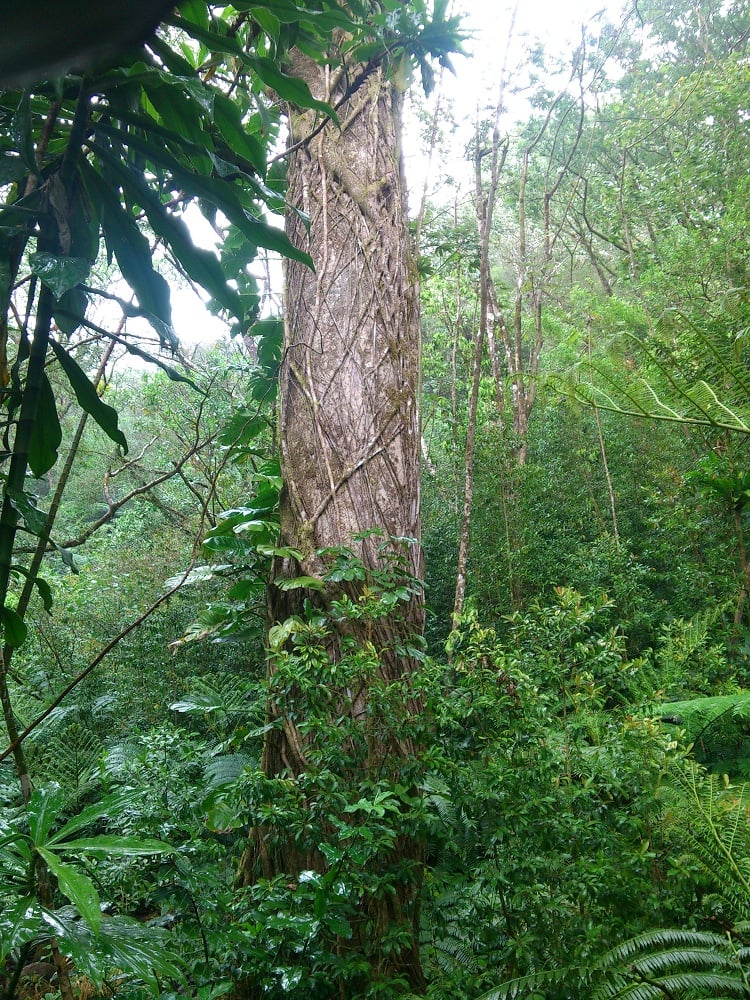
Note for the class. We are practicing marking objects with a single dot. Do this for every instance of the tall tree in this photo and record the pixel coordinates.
(350, 441)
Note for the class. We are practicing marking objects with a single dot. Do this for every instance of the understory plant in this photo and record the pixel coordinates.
(544, 802)
(706, 821)
(50, 904)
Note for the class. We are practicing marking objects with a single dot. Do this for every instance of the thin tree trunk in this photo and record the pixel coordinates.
(605, 463)
(464, 537)
(739, 611)
(484, 205)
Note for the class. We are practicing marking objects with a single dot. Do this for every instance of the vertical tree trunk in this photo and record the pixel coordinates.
(350, 372)
(349, 437)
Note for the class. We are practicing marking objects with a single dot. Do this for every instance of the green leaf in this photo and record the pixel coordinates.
(133, 252)
(105, 846)
(199, 264)
(70, 311)
(88, 398)
(299, 583)
(221, 193)
(289, 88)
(243, 426)
(229, 122)
(78, 887)
(19, 924)
(170, 372)
(44, 807)
(22, 134)
(122, 944)
(214, 42)
(59, 273)
(338, 926)
(14, 629)
(114, 804)
(46, 434)
(25, 505)
(45, 591)
(179, 114)
(279, 634)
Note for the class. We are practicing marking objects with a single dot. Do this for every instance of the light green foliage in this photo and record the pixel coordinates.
(717, 728)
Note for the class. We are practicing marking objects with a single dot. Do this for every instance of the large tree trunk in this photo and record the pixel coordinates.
(349, 435)
(349, 378)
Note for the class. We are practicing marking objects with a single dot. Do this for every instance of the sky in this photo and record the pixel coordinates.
(500, 32)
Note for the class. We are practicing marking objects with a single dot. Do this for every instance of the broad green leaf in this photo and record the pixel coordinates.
(59, 273)
(70, 311)
(338, 926)
(34, 519)
(299, 583)
(279, 634)
(88, 398)
(123, 946)
(223, 815)
(133, 252)
(213, 40)
(245, 589)
(46, 434)
(15, 631)
(105, 846)
(283, 552)
(83, 221)
(289, 88)
(268, 22)
(44, 589)
(229, 122)
(77, 886)
(145, 952)
(179, 115)
(199, 264)
(44, 807)
(19, 924)
(112, 805)
(224, 195)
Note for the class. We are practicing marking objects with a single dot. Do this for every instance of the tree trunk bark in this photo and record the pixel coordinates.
(349, 439)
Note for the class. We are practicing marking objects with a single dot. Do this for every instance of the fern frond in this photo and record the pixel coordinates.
(533, 985)
(661, 938)
(683, 396)
(686, 986)
(225, 768)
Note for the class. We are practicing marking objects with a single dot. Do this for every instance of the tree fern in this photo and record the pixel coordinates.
(677, 964)
(714, 825)
(717, 394)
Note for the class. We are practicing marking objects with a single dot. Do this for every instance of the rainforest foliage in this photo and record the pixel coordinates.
(538, 794)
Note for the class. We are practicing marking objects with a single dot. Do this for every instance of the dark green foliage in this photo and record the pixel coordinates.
(546, 810)
(717, 729)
